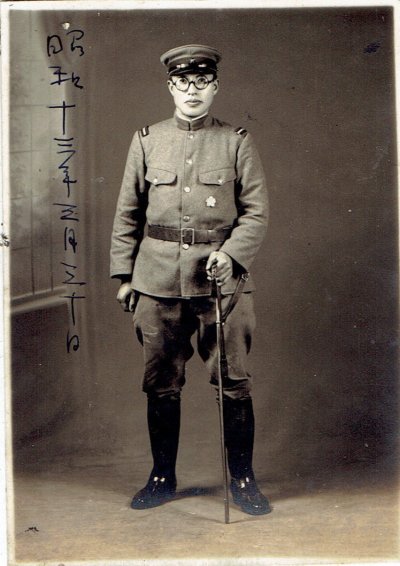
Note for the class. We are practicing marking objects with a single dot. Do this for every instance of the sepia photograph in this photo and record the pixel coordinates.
(200, 255)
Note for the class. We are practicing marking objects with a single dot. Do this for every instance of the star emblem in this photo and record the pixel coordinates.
(210, 201)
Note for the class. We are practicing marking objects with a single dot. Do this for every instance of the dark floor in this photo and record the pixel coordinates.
(80, 512)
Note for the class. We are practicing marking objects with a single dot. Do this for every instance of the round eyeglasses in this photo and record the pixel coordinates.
(201, 82)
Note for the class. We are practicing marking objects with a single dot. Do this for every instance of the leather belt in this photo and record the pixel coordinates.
(188, 235)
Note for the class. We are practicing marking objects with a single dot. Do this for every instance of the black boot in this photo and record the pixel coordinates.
(239, 440)
(163, 417)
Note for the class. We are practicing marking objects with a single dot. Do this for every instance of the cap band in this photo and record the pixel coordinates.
(193, 67)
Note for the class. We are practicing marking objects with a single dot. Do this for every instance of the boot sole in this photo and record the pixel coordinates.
(151, 504)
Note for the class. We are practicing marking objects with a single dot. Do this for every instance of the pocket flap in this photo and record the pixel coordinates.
(218, 176)
(160, 176)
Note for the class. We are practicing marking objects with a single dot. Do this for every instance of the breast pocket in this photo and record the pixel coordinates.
(158, 177)
(218, 176)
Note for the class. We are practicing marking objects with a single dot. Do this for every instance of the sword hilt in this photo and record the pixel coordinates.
(214, 271)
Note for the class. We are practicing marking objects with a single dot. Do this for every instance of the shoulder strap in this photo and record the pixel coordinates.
(144, 131)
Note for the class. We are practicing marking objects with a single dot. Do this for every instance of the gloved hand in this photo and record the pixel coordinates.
(223, 267)
(126, 297)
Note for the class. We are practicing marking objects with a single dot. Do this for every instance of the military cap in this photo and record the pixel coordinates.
(191, 59)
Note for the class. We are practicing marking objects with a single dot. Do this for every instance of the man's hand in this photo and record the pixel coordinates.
(126, 297)
(223, 267)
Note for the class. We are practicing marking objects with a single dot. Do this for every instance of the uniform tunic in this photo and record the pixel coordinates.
(201, 175)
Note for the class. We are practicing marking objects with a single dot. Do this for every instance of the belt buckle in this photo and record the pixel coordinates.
(184, 239)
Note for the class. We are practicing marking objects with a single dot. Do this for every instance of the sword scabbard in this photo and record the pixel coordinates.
(222, 374)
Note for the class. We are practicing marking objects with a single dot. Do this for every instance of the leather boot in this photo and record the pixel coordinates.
(239, 441)
(163, 418)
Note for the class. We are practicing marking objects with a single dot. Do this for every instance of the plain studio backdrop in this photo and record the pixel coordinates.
(315, 88)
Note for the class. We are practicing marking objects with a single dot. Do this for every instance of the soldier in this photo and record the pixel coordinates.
(198, 185)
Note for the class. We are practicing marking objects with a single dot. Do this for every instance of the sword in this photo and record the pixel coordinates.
(222, 372)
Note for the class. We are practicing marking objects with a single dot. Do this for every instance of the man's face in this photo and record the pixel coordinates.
(193, 102)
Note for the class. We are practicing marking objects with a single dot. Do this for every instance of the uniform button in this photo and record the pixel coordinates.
(190, 136)
(187, 189)
(189, 161)
(155, 180)
(220, 181)
(186, 218)
(185, 246)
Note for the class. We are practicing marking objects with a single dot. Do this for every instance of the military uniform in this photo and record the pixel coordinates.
(197, 178)
(190, 187)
